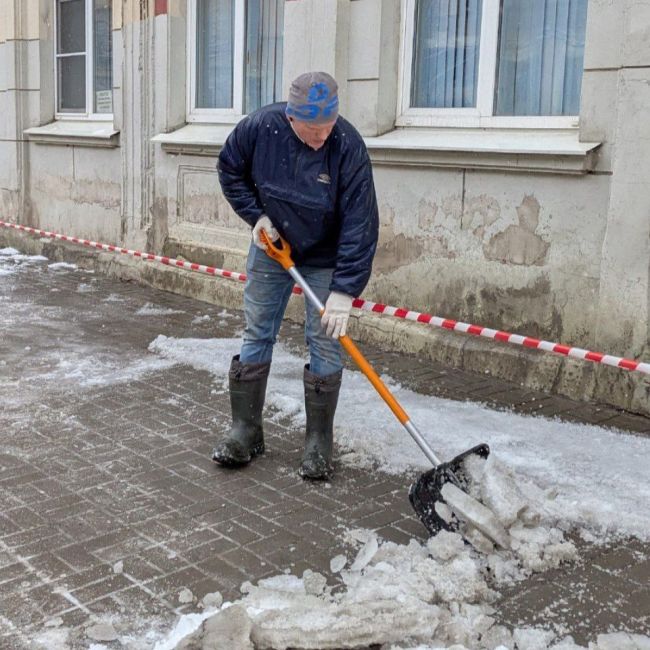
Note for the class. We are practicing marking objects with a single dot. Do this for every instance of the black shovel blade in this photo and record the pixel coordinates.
(425, 494)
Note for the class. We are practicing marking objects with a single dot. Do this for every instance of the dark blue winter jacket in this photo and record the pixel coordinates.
(322, 202)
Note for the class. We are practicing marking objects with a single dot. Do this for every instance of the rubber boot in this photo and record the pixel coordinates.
(245, 440)
(321, 397)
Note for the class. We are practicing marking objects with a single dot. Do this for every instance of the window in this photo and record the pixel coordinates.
(235, 62)
(84, 78)
(492, 62)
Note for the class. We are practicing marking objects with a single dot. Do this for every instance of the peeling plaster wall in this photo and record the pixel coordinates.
(196, 208)
(76, 190)
(507, 251)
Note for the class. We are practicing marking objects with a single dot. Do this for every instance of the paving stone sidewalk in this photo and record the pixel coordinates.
(119, 472)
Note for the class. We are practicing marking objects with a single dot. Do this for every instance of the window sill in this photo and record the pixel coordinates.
(75, 133)
(525, 150)
(195, 139)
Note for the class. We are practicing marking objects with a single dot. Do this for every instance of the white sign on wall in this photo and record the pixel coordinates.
(104, 101)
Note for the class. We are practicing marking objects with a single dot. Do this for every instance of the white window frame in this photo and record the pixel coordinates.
(90, 100)
(217, 115)
(482, 115)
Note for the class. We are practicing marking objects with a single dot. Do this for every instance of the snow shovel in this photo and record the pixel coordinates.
(439, 496)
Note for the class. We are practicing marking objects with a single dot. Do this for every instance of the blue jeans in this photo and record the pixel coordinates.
(266, 294)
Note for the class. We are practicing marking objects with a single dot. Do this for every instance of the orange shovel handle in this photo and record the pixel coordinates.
(282, 254)
(373, 378)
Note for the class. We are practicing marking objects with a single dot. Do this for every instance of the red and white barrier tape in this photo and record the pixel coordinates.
(367, 305)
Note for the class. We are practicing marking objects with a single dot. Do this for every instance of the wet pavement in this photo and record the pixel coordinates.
(110, 504)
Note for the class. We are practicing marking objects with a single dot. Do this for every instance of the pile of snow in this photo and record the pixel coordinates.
(401, 596)
(12, 260)
(437, 594)
(543, 478)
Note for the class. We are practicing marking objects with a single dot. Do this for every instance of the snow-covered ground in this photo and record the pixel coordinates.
(543, 478)
(592, 477)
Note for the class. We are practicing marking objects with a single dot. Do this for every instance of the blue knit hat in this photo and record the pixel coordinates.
(313, 97)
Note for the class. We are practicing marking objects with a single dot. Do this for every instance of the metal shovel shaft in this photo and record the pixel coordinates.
(370, 373)
(425, 494)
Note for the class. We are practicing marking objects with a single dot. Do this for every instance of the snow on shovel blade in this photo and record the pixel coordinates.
(475, 514)
(439, 500)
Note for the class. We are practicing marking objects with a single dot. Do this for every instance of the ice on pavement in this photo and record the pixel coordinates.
(542, 478)
(65, 359)
(152, 310)
(12, 261)
(582, 474)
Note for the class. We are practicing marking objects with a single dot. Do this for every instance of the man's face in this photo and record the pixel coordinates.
(313, 135)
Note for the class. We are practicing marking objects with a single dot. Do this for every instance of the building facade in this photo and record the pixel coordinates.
(510, 143)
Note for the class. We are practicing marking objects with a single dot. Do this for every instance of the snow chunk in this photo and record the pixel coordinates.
(185, 596)
(366, 554)
(62, 266)
(622, 641)
(499, 489)
(213, 600)
(533, 639)
(101, 632)
(445, 545)
(315, 583)
(230, 628)
(345, 625)
(337, 563)
(474, 513)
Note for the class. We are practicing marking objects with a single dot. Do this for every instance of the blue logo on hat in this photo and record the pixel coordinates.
(322, 104)
(331, 107)
(318, 92)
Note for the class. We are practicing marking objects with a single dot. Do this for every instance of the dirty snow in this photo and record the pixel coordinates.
(542, 477)
(402, 596)
(152, 310)
(65, 361)
(589, 476)
(62, 266)
(11, 261)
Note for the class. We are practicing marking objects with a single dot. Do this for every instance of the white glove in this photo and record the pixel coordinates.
(336, 314)
(264, 223)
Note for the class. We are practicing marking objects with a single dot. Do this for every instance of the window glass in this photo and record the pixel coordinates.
(445, 53)
(74, 56)
(264, 22)
(541, 53)
(102, 57)
(72, 26)
(215, 21)
(72, 84)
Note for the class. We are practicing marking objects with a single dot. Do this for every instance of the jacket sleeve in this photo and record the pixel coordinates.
(359, 225)
(234, 167)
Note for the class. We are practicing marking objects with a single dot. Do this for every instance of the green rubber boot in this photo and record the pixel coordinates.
(245, 440)
(321, 397)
